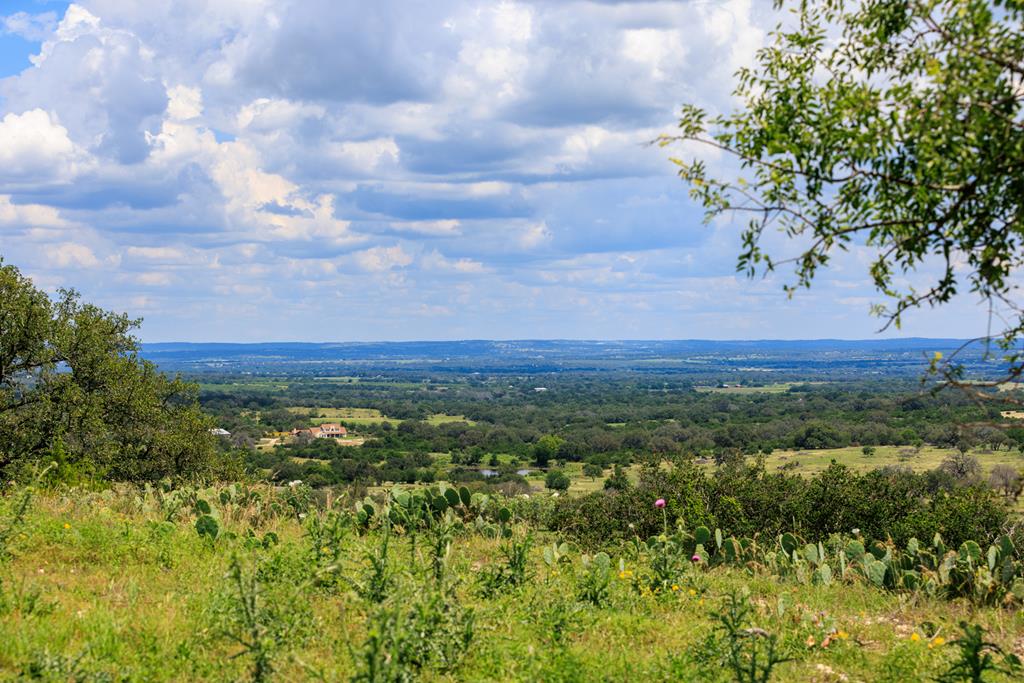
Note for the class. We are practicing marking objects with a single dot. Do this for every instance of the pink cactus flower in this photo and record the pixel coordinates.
(660, 503)
(695, 558)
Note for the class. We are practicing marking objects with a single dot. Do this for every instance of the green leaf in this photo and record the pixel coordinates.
(208, 526)
(876, 572)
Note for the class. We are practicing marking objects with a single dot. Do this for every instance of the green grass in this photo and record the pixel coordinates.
(124, 596)
(919, 460)
(776, 388)
(367, 416)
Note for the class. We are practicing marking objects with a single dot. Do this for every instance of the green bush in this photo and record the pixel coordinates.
(606, 517)
(557, 480)
(744, 500)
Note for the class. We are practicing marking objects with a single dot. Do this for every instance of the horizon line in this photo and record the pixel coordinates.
(576, 340)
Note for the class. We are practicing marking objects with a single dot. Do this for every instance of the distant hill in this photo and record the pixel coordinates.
(815, 357)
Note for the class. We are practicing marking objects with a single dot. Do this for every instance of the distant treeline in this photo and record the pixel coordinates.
(609, 422)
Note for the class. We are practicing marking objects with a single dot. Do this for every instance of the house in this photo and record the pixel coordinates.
(331, 430)
(217, 431)
(328, 430)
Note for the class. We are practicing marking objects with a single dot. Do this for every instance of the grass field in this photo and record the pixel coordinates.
(101, 587)
(366, 416)
(919, 460)
(777, 388)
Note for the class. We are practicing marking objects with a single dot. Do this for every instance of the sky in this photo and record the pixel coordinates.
(341, 170)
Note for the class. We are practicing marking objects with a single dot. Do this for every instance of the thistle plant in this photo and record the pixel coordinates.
(977, 657)
(751, 653)
(262, 626)
(513, 571)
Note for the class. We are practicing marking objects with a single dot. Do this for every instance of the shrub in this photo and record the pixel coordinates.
(744, 500)
(608, 516)
(557, 480)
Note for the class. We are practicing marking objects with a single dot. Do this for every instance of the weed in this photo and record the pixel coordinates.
(513, 572)
(751, 653)
(977, 657)
(263, 627)
(441, 534)
(14, 519)
(434, 633)
(593, 583)
(377, 578)
(23, 600)
(325, 535)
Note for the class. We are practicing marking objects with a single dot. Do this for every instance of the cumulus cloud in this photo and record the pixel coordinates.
(231, 157)
(29, 215)
(69, 254)
(34, 147)
(34, 27)
(379, 259)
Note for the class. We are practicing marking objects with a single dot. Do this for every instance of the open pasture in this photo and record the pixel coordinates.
(120, 586)
(917, 459)
(774, 388)
(366, 416)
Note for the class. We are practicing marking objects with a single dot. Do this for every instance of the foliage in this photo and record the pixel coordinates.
(108, 606)
(512, 571)
(434, 633)
(262, 627)
(747, 500)
(557, 480)
(593, 584)
(912, 146)
(976, 657)
(74, 389)
(751, 653)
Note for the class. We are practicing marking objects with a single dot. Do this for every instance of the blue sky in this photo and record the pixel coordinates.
(254, 170)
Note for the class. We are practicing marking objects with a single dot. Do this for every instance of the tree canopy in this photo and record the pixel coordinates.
(894, 125)
(74, 390)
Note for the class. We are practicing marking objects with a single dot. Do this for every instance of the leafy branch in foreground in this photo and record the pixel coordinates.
(904, 136)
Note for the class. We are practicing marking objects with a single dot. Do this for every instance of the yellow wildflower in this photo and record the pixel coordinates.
(625, 574)
(938, 641)
(915, 637)
(675, 587)
(842, 635)
(692, 592)
(701, 602)
(66, 525)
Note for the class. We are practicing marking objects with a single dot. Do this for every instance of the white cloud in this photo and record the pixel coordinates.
(534, 236)
(441, 228)
(380, 259)
(436, 261)
(35, 147)
(276, 151)
(155, 279)
(156, 253)
(29, 215)
(71, 255)
(34, 27)
(270, 115)
(184, 103)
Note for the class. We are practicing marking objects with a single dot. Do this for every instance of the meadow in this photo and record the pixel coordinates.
(255, 583)
(368, 416)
